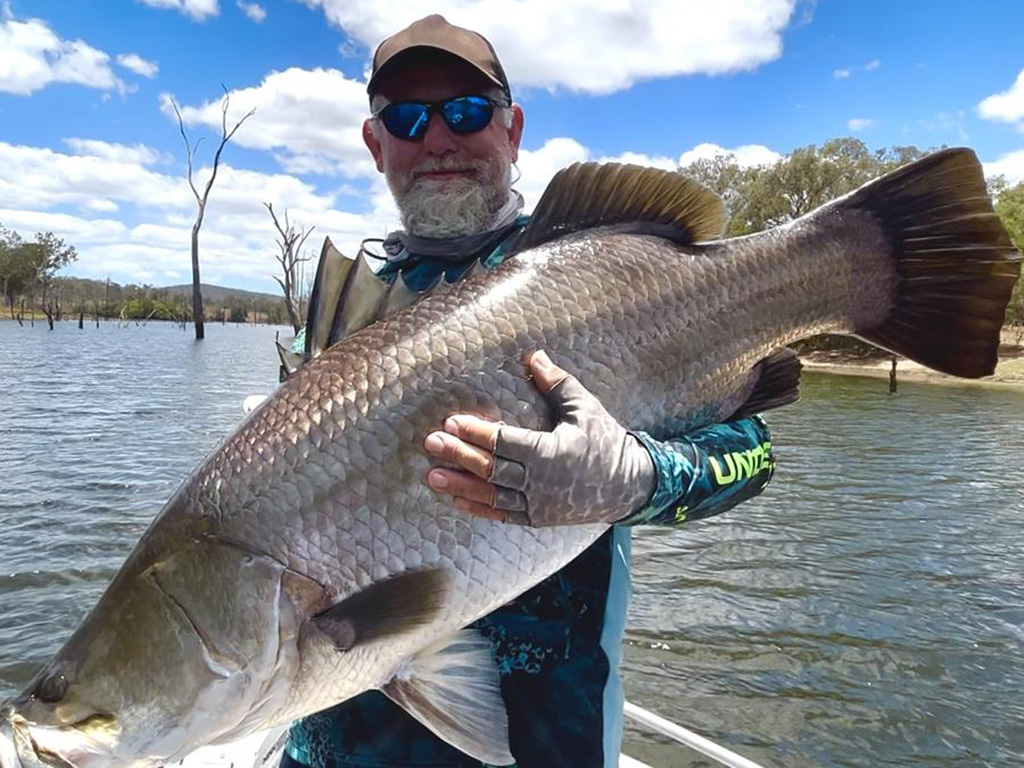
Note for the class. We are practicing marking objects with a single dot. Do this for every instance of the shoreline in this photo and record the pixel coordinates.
(1009, 373)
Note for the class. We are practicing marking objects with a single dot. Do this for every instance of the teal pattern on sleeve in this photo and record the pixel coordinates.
(707, 472)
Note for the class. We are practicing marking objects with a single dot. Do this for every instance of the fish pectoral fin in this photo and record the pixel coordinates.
(453, 688)
(778, 384)
(394, 606)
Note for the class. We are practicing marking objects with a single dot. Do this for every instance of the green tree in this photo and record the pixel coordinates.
(766, 196)
(50, 254)
(1010, 208)
(15, 266)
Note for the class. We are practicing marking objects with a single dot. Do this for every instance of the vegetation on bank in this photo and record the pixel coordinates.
(30, 293)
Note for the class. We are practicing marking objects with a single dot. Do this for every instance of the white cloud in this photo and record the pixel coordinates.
(118, 153)
(947, 123)
(842, 74)
(37, 178)
(254, 11)
(75, 195)
(32, 56)
(138, 65)
(194, 9)
(857, 124)
(593, 47)
(1010, 165)
(746, 155)
(539, 165)
(1008, 106)
(311, 119)
(103, 206)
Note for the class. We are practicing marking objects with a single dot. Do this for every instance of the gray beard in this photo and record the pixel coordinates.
(444, 210)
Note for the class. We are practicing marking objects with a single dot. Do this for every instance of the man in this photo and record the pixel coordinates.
(445, 133)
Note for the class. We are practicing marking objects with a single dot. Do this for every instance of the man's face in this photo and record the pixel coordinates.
(446, 184)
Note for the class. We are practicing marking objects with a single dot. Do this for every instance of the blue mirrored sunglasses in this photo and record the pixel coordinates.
(408, 120)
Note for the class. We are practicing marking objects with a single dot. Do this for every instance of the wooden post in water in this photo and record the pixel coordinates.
(892, 377)
(81, 319)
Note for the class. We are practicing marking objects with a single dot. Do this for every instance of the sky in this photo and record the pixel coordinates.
(90, 147)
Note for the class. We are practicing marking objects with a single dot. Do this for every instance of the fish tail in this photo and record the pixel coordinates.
(955, 263)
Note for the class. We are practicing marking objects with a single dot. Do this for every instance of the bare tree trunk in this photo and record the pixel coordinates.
(201, 200)
(291, 261)
(197, 294)
(81, 319)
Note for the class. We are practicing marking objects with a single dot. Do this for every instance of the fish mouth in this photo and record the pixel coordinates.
(74, 746)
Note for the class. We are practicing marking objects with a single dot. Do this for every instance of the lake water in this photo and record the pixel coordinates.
(867, 610)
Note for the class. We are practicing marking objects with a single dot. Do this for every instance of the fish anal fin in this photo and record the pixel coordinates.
(628, 198)
(778, 384)
(453, 689)
(394, 606)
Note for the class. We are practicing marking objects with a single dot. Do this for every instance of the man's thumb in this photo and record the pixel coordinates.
(546, 375)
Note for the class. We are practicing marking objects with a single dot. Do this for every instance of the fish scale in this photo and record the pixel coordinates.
(305, 561)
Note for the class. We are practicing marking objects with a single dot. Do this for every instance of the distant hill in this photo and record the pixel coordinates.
(220, 293)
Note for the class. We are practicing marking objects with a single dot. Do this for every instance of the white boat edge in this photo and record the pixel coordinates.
(248, 753)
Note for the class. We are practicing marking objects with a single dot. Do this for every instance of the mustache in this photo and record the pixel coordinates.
(433, 165)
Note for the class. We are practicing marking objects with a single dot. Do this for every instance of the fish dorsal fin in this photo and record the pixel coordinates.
(589, 195)
(331, 274)
(453, 688)
(777, 384)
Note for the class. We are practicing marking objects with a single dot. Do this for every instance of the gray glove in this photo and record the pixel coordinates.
(588, 470)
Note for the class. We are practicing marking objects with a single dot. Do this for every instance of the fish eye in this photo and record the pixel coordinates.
(51, 689)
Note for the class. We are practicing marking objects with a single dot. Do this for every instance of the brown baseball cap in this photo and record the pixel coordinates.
(435, 33)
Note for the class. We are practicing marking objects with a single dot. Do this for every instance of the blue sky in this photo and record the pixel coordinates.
(89, 147)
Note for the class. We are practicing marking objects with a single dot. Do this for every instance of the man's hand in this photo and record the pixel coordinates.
(588, 470)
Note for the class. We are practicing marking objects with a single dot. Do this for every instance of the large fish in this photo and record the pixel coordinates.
(305, 561)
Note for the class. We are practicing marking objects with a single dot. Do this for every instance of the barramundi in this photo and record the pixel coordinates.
(305, 561)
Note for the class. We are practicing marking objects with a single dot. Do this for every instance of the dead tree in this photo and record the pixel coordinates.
(290, 242)
(201, 200)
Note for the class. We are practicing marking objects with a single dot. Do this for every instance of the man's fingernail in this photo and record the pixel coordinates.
(437, 481)
(541, 358)
(434, 443)
(451, 425)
